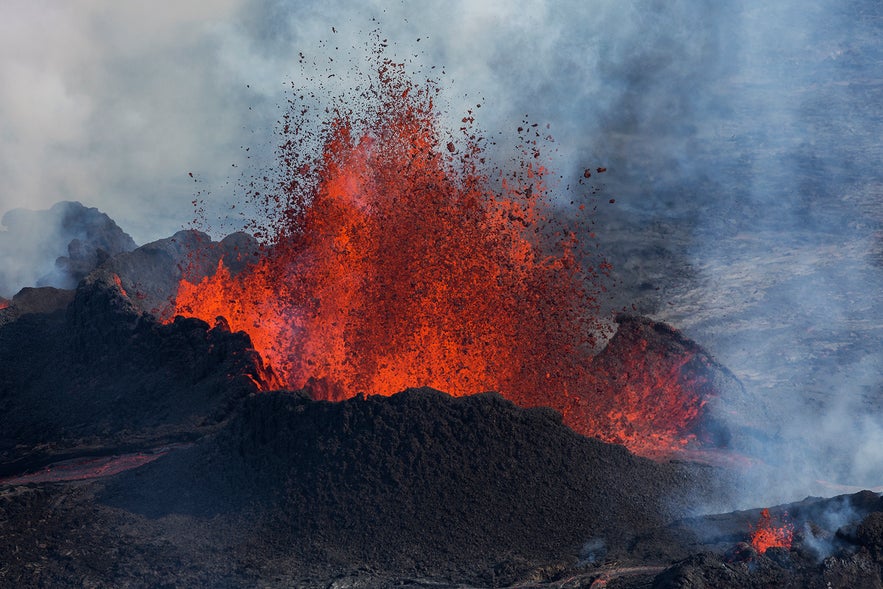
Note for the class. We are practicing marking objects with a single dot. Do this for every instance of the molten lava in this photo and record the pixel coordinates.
(659, 397)
(394, 270)
(395, 259)
(768, 535)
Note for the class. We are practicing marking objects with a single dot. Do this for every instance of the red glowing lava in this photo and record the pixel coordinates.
(399, 266)
(80, 469)
(648, 390)
(768, 535)
(397, 258)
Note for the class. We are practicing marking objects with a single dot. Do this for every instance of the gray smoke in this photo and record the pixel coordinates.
(57, 247)
(741, 138)
(785, 244)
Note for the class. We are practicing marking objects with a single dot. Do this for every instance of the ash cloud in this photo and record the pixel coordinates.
(784, 211)
(742, 139)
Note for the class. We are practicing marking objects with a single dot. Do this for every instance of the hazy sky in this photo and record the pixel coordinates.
(114, 103)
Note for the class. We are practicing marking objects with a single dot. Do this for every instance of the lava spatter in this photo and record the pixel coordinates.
(396, 263)
(771, 534)
(396, 257)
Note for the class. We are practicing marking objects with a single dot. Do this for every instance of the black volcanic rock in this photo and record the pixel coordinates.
(102, 374)
(56, 247)
(44, 299)
(870, 534)
(419, 481)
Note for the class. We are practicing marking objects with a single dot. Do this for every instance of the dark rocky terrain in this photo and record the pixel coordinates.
(99, 376)
(156, 462)
(418, 483)
(416, 490)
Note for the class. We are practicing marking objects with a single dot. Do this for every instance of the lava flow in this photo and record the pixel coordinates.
(768, 535)
(397, 258)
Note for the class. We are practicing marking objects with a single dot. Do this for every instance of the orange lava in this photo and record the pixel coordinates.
(119, 285)
(396, 258)
(657, 400)
(396, 268)
(768, 535)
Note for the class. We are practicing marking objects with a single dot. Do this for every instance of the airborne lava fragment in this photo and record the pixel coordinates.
(396, 259)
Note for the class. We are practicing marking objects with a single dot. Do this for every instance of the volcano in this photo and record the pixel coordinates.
(156, 451)
(399, 257)
(403, 374)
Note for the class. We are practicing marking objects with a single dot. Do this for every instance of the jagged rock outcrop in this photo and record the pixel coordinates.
(44, 299)
(100, 373)
(151, 273)
(56, 247)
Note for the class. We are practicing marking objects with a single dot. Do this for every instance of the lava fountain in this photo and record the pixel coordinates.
(770, 534)
(398, 257)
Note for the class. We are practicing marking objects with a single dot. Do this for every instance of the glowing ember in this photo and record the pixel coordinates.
(768, 535)
(395, 259)
(119, 285)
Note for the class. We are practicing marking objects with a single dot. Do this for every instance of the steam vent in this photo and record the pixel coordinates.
(410, 336)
